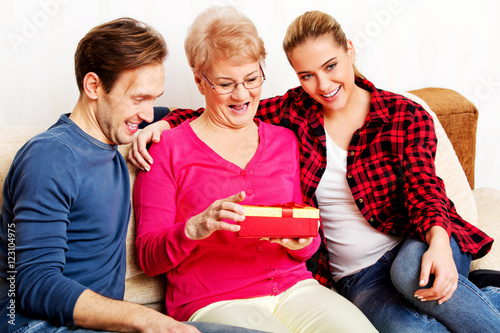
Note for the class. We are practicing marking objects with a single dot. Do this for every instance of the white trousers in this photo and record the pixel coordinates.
(307, 307)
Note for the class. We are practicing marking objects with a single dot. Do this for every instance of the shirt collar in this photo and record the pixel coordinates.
(378, 109)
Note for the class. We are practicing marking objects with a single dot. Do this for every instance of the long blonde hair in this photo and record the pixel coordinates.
(313, 25)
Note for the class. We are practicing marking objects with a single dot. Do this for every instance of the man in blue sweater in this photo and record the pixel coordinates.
(67, 197)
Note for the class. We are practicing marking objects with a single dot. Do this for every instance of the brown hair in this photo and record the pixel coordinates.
(314, 25)
(116, 46)
(222, 33)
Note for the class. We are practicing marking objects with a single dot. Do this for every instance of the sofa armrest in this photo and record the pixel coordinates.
(488, 208)
(458, 116)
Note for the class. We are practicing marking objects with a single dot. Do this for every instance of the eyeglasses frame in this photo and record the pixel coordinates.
(236, 83)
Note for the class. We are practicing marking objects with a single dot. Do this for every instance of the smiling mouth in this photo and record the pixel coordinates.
(239, 108)
(132, 127)
(333, 93)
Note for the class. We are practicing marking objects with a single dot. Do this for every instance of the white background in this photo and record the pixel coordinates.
(401, 45)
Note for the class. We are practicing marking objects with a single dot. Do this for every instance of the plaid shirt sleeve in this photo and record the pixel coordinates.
(392, 175)
(270, 110)
(425, 194)
(178, 116)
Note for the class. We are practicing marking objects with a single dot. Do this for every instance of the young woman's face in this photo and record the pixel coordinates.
(325, 71)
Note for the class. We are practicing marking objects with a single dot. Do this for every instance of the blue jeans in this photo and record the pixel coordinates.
(42, 326)
(384, 293)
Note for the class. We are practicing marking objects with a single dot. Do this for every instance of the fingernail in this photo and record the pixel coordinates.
(150, 161)
(423, 299)
(422, 282)
(146, 168)
(440, 302)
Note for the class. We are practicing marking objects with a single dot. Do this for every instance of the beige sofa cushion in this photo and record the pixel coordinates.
(11, 139)
(488, 207)
(139, 288)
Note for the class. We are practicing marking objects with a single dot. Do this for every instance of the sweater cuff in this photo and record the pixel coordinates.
(186, 244)
(72, 299)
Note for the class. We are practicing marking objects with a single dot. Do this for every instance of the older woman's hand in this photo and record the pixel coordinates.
(204, 224)
(138, 154)
(293, 243)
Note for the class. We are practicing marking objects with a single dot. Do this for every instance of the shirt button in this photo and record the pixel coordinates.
(349, 176)
(259, 248)
(275, 290)
(249, 192)
(243, 173)
(360, 200)
(351, 153)
(372, 219)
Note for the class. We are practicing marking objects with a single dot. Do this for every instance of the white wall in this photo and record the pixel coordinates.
(401, 45)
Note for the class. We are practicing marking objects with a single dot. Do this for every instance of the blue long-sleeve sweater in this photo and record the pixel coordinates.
(66, 204)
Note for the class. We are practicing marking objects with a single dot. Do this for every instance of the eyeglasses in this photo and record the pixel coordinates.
(228, 87)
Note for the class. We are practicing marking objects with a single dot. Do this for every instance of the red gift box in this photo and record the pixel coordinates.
(281, 221)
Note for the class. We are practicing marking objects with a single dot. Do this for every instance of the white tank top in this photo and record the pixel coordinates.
(353, 244)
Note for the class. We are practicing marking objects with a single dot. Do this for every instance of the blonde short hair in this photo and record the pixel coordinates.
(222, 33)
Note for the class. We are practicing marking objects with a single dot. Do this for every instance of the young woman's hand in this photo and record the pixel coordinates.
(204, 224)
(438, 260)
(138, 154)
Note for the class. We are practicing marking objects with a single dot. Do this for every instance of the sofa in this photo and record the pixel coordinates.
(456, 123)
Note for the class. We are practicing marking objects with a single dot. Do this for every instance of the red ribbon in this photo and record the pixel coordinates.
(287, 209)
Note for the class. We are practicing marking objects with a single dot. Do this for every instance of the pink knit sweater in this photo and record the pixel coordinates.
(186, 177)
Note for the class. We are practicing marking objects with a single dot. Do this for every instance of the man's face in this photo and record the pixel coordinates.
(129, 102)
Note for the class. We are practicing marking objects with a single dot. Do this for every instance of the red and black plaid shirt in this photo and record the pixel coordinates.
(390, 167)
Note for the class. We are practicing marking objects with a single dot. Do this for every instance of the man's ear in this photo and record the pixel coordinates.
(91, 85)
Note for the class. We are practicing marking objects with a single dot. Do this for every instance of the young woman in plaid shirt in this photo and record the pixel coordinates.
(393, 241)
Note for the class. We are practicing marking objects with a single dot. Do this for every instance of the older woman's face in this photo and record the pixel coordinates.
(235, 109)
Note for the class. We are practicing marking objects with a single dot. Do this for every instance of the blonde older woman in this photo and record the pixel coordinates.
(204, 170)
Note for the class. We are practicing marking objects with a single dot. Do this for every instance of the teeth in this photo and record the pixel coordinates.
(132, 125)
(239, 107)
(332, 93)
